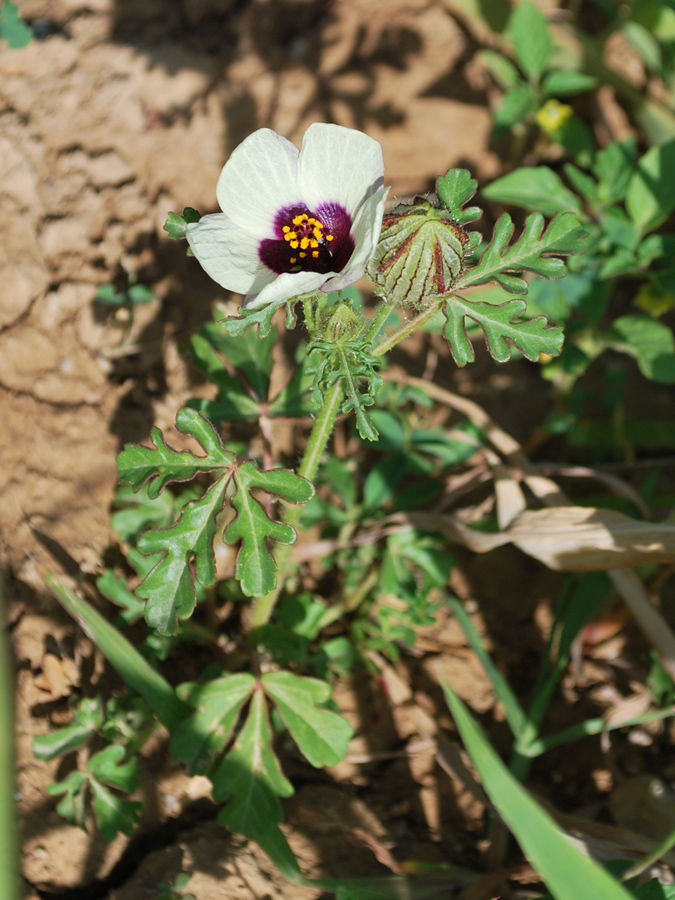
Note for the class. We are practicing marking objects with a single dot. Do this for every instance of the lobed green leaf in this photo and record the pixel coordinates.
(204, 734)
(528, 29)
(169, 588)
(502, 327)
(535, 251)
(256, 568)
(157, 467)
(87, 719)
(537, 188)
(650, 198)
(456, 188)
(249, 354)
(12, 27)
(262, 318)
(233, 403)
(250, 781)
(106, 766)
(321, 735)
(650, 343)
(113, 814)
(566, 83)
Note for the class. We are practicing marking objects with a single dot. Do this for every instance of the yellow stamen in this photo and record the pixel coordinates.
(313, 243)
(315, 254)
(329, 237)
(286, 228)
(293, 260)
(303, 255)
(317, 234)
(304, 243)
(295, 245)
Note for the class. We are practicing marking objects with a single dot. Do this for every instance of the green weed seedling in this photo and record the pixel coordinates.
(176, 507)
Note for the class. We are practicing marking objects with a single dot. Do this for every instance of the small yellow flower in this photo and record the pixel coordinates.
(654, 300)
(553, 116)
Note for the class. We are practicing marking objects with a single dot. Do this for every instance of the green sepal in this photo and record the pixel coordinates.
(137, 465)
(502, 327)
(256, 568)
(169, 588)
(535, 251)
(321, 735)
(247, 318)
(176, 226)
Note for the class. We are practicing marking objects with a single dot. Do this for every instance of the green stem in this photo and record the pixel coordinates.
(9, 848)
(407, 329)
(379, 319)
(262, 607)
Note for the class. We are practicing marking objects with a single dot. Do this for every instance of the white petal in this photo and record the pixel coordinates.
(258, 180)
(285, 287)
(228, 254)
(339, 164)
(366, 233)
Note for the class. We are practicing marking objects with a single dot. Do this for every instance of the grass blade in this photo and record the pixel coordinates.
(514, 711)
(128, 662)
(568, 874)
(9, 848)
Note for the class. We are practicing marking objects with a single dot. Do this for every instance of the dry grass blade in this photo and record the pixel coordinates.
(567, 538)
(564, 537)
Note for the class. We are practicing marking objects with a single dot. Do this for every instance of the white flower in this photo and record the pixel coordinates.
(294, 221)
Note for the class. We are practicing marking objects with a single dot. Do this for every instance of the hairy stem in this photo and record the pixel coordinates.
(407, 329)
(383, 312)
(261, 607)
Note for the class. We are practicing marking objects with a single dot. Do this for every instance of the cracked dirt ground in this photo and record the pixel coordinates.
(117, 114)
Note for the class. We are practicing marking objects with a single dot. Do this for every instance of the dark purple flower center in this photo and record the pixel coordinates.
(309, 241)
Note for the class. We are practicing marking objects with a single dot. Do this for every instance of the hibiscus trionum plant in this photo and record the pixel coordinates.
(295, 231)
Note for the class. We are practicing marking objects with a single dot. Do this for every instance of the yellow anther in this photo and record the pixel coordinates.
(318, 224)
(295, 245)
(311, 221)
(303, 255)
(317, 234)
(315, 254)
(304, 243)
(286, 228)
(313, 243)
(293, 259)
(329, 237)
(290, 236)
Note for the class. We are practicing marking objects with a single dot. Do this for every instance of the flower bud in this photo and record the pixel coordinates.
(420, 254)
(343, 324)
